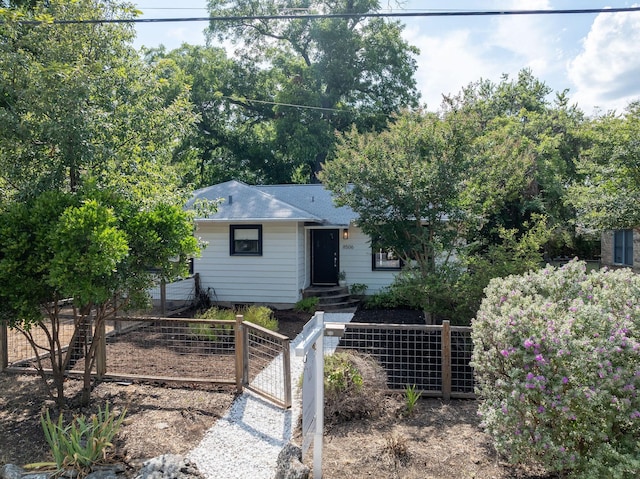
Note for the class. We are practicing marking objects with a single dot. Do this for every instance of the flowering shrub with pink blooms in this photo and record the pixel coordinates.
(557, 363)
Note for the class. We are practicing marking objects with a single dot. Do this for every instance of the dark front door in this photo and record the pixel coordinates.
(324, 257)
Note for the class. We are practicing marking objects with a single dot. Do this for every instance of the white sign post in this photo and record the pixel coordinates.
(311, 348)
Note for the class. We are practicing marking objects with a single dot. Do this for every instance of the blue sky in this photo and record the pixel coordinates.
(596, 57)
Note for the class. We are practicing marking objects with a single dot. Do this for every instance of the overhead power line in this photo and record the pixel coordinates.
(305, 16)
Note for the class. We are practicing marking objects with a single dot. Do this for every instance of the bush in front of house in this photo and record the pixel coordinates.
(260, 315)
(214, 332)
(557, 364)
(307, 305)
(354, 386)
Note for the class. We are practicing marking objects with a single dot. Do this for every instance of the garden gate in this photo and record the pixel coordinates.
(266, 363)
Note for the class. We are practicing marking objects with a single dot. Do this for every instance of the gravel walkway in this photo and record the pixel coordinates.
(247, 440)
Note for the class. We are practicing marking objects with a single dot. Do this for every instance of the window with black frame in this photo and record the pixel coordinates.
(245, 240)
(385, 259)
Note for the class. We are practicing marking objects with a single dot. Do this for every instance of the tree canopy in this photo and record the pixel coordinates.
(91, 211)
(523, 149)
(608, 192)
(295, 82)
(76, 102)
(484, 182)
(404, 184)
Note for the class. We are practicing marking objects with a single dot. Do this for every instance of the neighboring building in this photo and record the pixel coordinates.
(621, 248)
(266, 244)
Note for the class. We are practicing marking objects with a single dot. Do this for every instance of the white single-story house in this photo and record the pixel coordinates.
(267, 244)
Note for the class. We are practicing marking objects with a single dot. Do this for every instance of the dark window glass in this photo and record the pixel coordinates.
(385, 259)
(246, 240)
(623, 247)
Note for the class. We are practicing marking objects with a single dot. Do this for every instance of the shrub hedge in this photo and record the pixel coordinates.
(557, 363)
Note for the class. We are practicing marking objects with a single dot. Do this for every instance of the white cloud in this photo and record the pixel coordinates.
(471, 49)
(447, 62)
(606, 71)
(529, 39)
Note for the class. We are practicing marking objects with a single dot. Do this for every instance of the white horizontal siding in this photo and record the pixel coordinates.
(355, 261)
(272, 278)
(181, 290)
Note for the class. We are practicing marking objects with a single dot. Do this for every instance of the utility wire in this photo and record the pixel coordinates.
(291, 105)
(303, 16)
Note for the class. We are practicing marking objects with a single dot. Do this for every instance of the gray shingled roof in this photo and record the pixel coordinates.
(242, 202)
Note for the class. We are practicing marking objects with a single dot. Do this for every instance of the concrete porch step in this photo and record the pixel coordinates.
(321, 291)
(332, 298)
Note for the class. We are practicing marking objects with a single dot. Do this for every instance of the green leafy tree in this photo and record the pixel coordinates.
(321, 75)
(404, 183)
(233, 140)
(76, 98)
(607, 195)
(60, 246)
(525, 149)
(90, 201)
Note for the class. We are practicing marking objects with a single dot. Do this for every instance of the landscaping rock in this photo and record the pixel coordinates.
(11, 471)
(289, 465)
(169, 466)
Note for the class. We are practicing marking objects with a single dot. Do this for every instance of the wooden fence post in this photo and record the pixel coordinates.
(286, 363)
(101, 349)
(446, 360)
(163, 297)
(4, 346)
(239, 338)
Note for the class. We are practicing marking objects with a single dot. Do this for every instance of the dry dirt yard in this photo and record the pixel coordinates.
(438, 440)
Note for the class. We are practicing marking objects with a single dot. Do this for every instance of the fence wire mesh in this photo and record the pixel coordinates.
(173, 348)
(412, 354)
(20, 345)
(267, 363)
(462, 380)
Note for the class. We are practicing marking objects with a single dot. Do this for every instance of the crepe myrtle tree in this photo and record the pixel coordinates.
(94, 249)
(404, 184)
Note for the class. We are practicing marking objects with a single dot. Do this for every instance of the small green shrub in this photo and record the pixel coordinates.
(383, 299)
(84, 442)
(358, 289)
(557, 364)
(341, 374)
(354, 387)
(260, 315)
(411, 397)
(307, 305)
(218, 313)
(214, 332)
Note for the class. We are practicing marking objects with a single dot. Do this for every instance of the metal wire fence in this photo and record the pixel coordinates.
(433, 359)
(182, 350)
(173, 349)
(267, 363)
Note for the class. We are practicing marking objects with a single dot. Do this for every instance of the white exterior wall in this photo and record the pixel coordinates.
(355, 261)
(304, 255)
(273, 278)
